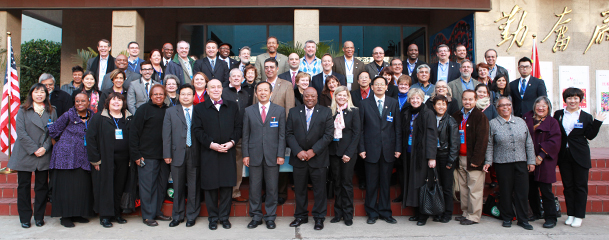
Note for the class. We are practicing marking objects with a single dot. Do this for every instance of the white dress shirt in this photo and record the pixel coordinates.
(266, 106)
(190, 109)
(569, 120)
(103, 67)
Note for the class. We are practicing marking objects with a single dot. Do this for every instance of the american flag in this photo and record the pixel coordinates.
(10, 102)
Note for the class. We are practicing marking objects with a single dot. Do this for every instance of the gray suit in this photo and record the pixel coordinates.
(137, 95)
(263, 144)
(184, 163)
(131, 76)
(457, 88)
(282, 65)
(33, 133)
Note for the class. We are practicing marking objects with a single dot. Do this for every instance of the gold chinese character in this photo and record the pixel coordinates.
(561, 42)
(505, 27)
(599, 32)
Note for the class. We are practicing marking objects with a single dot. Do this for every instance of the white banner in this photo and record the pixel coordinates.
(509, 63)
(575, 76)
(602, 91)
(547, 73)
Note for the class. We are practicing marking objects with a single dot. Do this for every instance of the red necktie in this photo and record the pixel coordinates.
(263, 113)
(293, 79)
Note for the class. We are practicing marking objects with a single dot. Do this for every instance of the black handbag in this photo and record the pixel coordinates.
(431, 198)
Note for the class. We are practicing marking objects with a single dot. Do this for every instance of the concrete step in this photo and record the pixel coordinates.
(596, 174)
(600, 188)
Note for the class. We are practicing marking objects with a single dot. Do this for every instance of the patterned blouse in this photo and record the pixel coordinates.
(509, 142)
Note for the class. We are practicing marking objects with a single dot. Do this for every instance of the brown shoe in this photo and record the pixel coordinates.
(162, 218)
(468, 222)
(240, 199)
(460, 218)
(150, 223)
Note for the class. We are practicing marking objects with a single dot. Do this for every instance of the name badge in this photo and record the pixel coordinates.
(336, 139)
(410, 140)
(118, 133)
(350, 78)
(438, 142)
(426, 97)
(462, 134)
(49, 123)
(389, 118)
(578, 125)
(274, 123)
(443, 78)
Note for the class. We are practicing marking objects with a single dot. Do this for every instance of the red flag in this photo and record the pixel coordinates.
(10, 102)
(536, 71)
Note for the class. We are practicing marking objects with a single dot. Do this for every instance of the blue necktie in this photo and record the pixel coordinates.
(213, 64)
(188, 137)
(523, 87)
(380, 106)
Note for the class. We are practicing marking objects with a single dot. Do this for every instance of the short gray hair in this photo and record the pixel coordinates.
(245, 48)
(46, 76)
(545, 99)
(310, 41)
(171, 76)
(423, 66)
(416, 91)
(235, 70)
(182, 41)
(503, 97)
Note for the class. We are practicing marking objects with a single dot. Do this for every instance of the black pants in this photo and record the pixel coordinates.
(513, 179)
(153, 185)
(575, 182)
(378, 182)
(446, 179)
(360, 170)
(342, 174)
(121, 173)
(24, 195)
(218, 202)
(399, 170)
(547, 196)
(318, 178)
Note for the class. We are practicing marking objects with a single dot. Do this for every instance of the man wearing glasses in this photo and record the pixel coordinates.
(444, 70)
(139, 90)
(374, 68)
(526, 88)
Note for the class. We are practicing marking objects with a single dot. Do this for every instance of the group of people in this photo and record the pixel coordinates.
(130, 125)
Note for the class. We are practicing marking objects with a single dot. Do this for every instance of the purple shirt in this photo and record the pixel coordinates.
(69, 152)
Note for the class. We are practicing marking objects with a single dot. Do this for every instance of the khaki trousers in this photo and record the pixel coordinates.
(471, 188)
(239, 159)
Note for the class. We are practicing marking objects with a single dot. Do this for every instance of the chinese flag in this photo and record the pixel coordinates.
(535, 57)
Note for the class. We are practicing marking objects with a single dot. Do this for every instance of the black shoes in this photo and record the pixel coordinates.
(253, 224)
(467, 222)
(26, 225)
(213, 225)
(335, 220)
(437, 218)
(280, 201)
(413, 219)
(39, 223)
(66, 222)
(105, 223)
(175, 223)
(445, 219)
(226, 224)
(80, 220)
(299, 221)
(549, 224)
(460, 218)
(162, 218)
(421, 222)
(371, 220)
(389, 220)
(349, 222)
(398, 199)
(120, 220)
(150, 222)
(525, 225)
(319, 224)
(190, 223)
(270, 224)
(507, 224)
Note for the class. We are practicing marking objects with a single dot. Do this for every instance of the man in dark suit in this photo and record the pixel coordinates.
(376, 66)
(309, 131)
(379, 146)
(357, 96)
(182, 65)
(445, 69)
(290, 75)
(319, 80)
(121, 63)
(104, 62)
(412, 62)
(348, 65)
(212, 66)
(244, 58)
(526, 89)
(224, 52)
(61, 100)
(217, 128)
(263, 152)
(181, 153)
(167, 52)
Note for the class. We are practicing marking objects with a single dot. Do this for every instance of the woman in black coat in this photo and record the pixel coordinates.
(447, 154)
(577, 127)
(343, 150)
(420, 135)
(108, 149)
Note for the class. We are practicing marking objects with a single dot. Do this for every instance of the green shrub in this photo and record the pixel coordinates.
(37, 57)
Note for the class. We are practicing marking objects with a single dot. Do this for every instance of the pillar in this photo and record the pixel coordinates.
(306, 25)
(127, 26)
(10, 21)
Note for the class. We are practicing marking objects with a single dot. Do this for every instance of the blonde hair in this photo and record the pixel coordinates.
(415, 91)
(334, 106)
(449, 92)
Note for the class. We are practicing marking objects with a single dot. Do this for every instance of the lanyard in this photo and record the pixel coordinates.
(199, 96)
(115, 122)
(425, 90)
(367, 95)
(347, 65)
(134, 65)
(443, 69)
(464, 120)
(172, 103)
(414, 116)
(465, 84)
(411, 67)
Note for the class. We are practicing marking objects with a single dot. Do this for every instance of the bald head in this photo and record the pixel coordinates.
(167, 50)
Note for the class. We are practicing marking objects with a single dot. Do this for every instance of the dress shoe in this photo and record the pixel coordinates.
(533, 218)
(162, 218)
(467, 222)
(319, 224)
(335, 220)
(226, 224)
(459, 218)
(280, 201)
(349, 222)
(371, 220)
(437, 219)
(525, 225)
(66, 222)
(80, 220)
(271, 224)
(569, 220)
(298, 221)
(398, 199)
(389, 219)
(507, 224)
(493, 185)
(190, 223)
(105, 223)
(175, 223)
(413, 219)
(253, 224)
(577, 222)
(213, 225)
(239, 199)
(150, 222)
(26, 225)
(120, 220)
(39, 223)
(549, 224)
(445, 219)
(421, 222)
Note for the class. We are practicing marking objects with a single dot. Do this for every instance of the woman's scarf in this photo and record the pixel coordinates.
(94, 99)
(39, 108)
(483, 103)
(339, 121)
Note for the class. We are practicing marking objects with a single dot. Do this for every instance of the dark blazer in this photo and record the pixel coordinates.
(61, 100)
(163, 65)
(233, 63)
(378, 134)
(174, 137)
(261, 142)
(219, 72)
(175, 69)
(535, 88)
(413, 76)
(356, 96)
(325, 100)
(347, 145)
(104, 95)
(242, 98)
(578, 138)
(372, 70)
(317, 138)
(286, 76)
(448, 137)
(392, 91)
(93, 65)
(453, 72)
(358, 67)
(476, 137)
(318, 81)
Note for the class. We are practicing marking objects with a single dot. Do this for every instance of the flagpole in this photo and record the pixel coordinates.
(7, 170)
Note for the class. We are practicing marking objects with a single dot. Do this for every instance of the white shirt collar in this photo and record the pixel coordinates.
(266, 106)
(376, 99)
(527, 78)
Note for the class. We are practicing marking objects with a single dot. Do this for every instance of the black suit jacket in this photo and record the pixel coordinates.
(61, 100)
(535, 88)
(347, 145)
(319, 136)
(413, 76)
(356, 96)
(233, 63)
(94, 68)
(378, 134)
(219, 72)
(286, 76)
(318, 81)
(453, 72)
(578, 138)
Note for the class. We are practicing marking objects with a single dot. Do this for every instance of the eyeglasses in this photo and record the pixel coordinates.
(441, 87)
(505, 105)
(224, 48)
(269, 67)
(379, 85)
(524, 67)
(396, 64)
(378, 53)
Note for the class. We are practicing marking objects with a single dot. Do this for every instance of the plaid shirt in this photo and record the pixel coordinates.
(313, 68)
